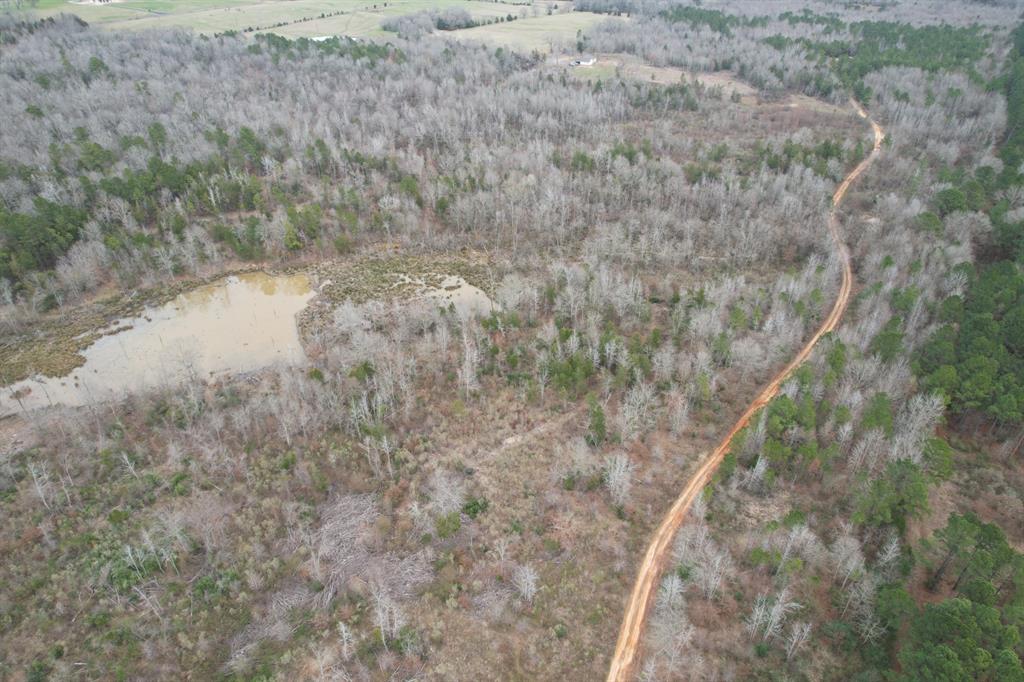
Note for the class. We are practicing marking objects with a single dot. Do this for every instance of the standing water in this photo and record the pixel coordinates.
(453, 291)
(237, 324)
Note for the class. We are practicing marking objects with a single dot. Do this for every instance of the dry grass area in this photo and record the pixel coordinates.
(585, 550)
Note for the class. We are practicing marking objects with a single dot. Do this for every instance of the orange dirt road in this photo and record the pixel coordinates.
(628, 646)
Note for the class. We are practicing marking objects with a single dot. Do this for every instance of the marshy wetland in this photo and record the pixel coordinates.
(238, 323)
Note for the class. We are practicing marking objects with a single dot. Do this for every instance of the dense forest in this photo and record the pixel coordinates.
(976, 358)
(441, 494)
(346, 511)
(129, 192)
(831, 430)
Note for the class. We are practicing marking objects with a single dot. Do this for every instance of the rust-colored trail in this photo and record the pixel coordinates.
(625, 657)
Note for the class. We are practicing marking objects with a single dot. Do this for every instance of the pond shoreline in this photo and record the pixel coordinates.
(53, 356)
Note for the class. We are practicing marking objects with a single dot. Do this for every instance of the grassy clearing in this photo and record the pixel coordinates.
(596, 72)
(302, 18)
(366, 23)
(533, 33)
(137, 10)
(359, 17)
(629, 67)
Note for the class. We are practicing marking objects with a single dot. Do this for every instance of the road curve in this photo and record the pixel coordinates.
(628, 646)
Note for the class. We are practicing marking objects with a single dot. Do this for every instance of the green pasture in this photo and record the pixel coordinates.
(533, 33)
(359, 18)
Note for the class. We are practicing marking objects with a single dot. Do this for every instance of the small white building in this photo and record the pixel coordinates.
(587, 60)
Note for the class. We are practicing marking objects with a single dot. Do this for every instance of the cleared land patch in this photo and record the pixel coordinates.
(542, 33)
(359, 18)
(608, 66)
(628, 66)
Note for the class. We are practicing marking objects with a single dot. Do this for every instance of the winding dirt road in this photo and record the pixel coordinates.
(625, 657)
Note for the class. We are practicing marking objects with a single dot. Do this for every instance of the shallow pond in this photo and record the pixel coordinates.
(452, 291)
(237, 324)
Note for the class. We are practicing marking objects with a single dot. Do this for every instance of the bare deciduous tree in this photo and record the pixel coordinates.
(799, 633)
(524, 579)
(618, 477)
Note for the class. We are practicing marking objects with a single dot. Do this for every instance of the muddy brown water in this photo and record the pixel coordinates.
(237, 324)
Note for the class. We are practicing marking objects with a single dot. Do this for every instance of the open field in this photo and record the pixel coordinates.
(533, 33)
(351, 17)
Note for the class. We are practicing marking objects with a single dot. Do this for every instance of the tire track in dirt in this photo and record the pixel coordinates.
(649, 573)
